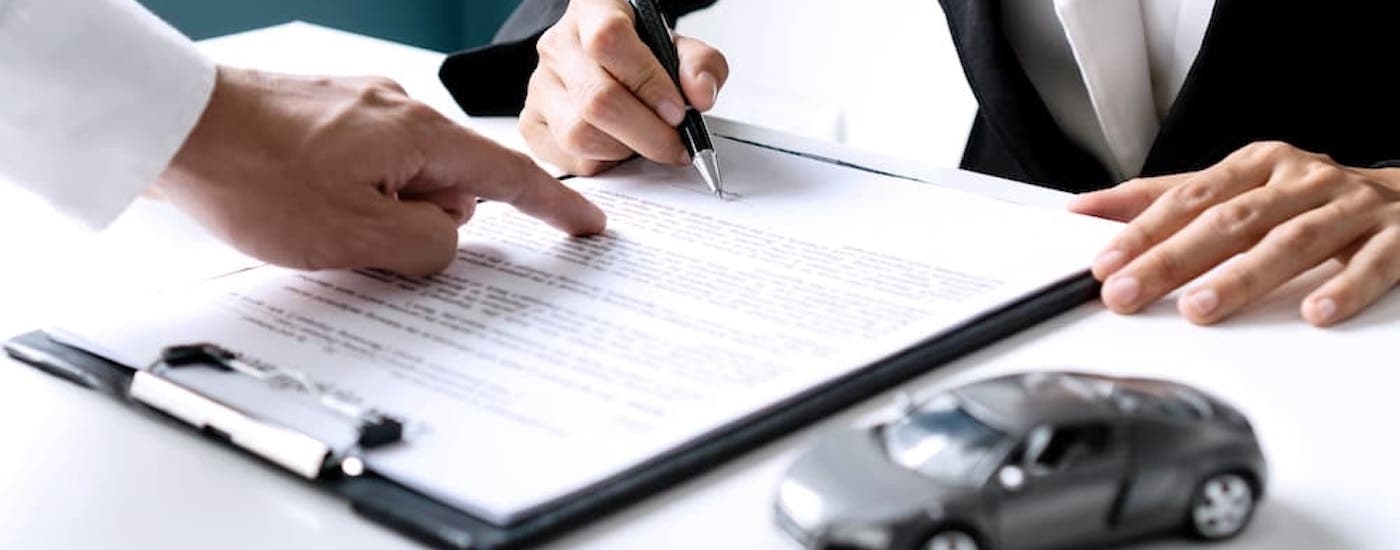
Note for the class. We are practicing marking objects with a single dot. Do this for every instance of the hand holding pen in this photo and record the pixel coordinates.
(599, 94)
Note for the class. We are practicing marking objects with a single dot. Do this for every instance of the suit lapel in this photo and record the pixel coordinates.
(1009, 104)
(1171, 151)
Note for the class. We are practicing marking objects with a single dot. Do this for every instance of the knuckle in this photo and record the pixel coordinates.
(1262, 151)
(385, 83)
(1134, 237)
(1320, 176)
(607, 36)
(1140, 190)
(1386, 269)
(549, 43)
(1386, 266)
(600, 100)
(1322, 168)
(419, 111)
(1239, 281)
(1137, 191)
(653, 85)
(1371, 195)
(376, 94)
(370, 95)
(1296, 236)
(1166, 264)
(1192, 195)
(1232, 172)
(1337, 212)
(1233, 219)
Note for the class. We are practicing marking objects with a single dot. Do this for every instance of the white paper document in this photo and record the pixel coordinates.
(538, 365)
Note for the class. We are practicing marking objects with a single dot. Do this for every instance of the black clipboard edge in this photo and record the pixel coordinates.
(805, 408)
(436, 524)
(89, 371)
(377, 498)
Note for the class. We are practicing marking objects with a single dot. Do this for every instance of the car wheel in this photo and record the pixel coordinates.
(950, 540)
(1222, 507)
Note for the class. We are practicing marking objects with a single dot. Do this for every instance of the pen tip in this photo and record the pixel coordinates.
(706, 163)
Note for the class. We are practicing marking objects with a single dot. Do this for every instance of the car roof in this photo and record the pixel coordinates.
(1017, 403)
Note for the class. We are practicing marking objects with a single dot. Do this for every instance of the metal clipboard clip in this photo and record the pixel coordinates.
(276, 414)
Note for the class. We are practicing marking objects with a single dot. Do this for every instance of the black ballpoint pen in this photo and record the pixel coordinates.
(652, 28)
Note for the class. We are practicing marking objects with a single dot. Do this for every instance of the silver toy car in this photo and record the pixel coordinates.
(1036, 460)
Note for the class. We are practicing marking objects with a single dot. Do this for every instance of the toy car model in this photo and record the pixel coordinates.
(1036, 460)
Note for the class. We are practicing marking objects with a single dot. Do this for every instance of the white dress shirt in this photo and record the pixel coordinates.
(1108, 70)
(96, 96)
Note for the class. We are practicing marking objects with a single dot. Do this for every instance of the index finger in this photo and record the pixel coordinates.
(1177, 206)
(610, 37)
(460, 157)
(1125, 201)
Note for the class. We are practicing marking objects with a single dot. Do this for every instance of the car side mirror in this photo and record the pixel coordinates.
(1011, 477)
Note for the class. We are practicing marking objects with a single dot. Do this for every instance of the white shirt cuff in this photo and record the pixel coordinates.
(96, 97)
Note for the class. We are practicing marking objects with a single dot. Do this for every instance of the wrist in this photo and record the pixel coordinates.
(220, 139)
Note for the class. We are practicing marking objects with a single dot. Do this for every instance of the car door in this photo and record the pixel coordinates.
(1060, 486)
(1163, 462)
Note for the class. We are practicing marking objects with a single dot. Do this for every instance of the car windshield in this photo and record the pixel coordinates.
(944, 442)
(1175, 402)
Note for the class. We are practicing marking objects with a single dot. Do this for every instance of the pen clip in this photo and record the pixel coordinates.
(656, 34)
(695, 135)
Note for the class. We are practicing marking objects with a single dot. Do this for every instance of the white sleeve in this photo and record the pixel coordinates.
(96, 96)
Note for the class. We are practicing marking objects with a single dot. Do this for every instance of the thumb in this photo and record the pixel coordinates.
(1126, 200)
(704, 71)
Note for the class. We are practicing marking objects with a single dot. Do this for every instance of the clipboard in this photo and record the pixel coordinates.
(327, 460)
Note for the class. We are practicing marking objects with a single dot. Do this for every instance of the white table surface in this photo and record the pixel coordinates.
(80, 471)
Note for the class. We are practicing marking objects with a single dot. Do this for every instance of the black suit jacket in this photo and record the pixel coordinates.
(1309, 73)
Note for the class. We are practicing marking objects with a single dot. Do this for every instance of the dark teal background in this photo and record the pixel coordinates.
(443, 25)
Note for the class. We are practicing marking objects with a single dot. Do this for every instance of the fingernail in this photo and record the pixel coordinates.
(670, 112)
(1122, 291)
(1203, 301)
(1109, 261)
(710, 82)
(597, 220)
(1325, 310)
